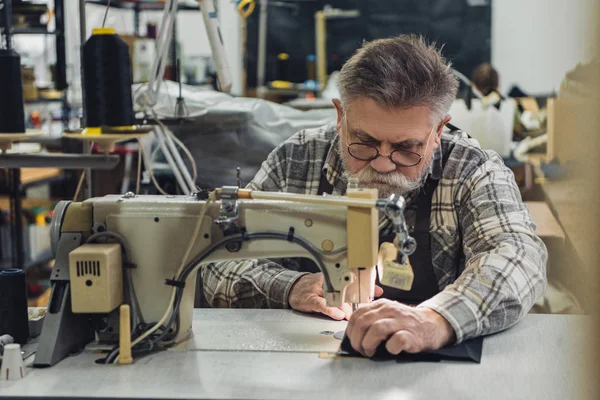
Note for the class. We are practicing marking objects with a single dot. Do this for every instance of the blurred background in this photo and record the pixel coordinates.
(530, 90)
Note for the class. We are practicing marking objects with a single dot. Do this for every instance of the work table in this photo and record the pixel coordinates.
(271, 354)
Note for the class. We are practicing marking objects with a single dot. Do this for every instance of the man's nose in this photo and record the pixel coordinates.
(383, 164)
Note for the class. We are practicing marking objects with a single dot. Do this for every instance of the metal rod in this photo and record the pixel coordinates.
(106, 13)
(62, 161)
(7, 17)
(17, 214)
(86, 145)
(321, 47)
(262, 47)
(178, 74)
(61, 55)
(136, 19)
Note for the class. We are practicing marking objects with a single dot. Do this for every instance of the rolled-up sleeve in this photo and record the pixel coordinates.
(505, 262)
(252, 283)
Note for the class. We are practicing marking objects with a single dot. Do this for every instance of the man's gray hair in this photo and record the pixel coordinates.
(400, 72)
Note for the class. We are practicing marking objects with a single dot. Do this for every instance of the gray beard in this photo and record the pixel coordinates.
(386, 184)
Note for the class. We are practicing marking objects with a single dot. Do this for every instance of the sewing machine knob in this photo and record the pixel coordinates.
(409, 246)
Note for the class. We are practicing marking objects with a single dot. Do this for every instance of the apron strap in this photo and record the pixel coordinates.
(324, 186)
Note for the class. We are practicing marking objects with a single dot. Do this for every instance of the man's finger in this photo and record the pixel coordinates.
(378, 332)
(401, 341)
(333, 312)
(360, 325)
(364, 309)
(347, 309)
(378, 291)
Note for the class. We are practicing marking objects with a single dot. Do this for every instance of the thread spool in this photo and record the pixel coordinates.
(12, 113)
(107, 66)
(13, 305)
(12, 363)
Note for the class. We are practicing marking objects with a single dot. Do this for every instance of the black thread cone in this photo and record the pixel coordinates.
(107, 67)
(13, 305)
(12, 114)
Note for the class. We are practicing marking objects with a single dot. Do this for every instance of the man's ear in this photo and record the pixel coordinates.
(440, 128)
(340, 114)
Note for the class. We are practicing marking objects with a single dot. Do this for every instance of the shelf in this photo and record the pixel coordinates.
(39, 176)
(42, 101)
(32, 31)
(143, 5)
(27, 202)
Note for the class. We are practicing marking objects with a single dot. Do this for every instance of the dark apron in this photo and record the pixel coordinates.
(425, 283)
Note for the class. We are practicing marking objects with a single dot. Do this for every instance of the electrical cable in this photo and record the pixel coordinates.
(149, 169)
(183, 183)
(211, 198)
(177, 293)
(253, 236)
(181, 145)
(139, 171)
(312, 250)
(169, 150)
(136, 311)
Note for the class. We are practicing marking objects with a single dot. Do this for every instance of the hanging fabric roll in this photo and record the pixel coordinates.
(108, 98)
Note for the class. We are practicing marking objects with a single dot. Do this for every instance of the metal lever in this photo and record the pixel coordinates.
(228, 217)
(394, 207)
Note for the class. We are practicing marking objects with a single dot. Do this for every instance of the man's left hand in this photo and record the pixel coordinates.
(405, 328)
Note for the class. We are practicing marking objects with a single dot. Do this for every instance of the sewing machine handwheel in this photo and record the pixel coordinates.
(58, 216)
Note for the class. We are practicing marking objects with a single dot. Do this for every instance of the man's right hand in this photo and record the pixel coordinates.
(307, 296)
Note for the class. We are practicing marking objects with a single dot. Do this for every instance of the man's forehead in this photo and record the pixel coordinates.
(392, 127)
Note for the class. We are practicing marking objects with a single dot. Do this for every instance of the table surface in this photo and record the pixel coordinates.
(272, 354)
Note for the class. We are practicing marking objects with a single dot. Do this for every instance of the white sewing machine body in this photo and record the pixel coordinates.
(159, 235)
(158, 229)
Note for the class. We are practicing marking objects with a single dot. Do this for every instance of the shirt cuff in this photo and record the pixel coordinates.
(279, 291)
(460, 312)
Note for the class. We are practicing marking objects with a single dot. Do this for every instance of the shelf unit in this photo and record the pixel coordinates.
(138, 6)
(19, 179)
(33, 31)
(144, 5)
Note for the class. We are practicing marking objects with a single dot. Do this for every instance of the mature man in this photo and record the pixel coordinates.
(479, 267)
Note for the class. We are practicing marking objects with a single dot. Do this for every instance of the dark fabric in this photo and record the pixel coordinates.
(469, 350)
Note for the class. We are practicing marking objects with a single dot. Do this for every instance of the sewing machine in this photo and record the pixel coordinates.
(144, 251)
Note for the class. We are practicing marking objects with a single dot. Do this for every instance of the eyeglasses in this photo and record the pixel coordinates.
(402, 158)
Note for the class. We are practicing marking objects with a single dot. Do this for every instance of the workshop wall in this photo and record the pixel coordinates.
(463, 26)
(508, 31)
(535, 42)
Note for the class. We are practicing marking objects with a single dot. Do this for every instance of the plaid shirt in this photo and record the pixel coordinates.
(489, 264)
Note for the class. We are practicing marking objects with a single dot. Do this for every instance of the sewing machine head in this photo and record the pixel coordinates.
(161, 241)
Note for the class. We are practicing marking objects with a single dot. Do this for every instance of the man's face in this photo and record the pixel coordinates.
(388, 130)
